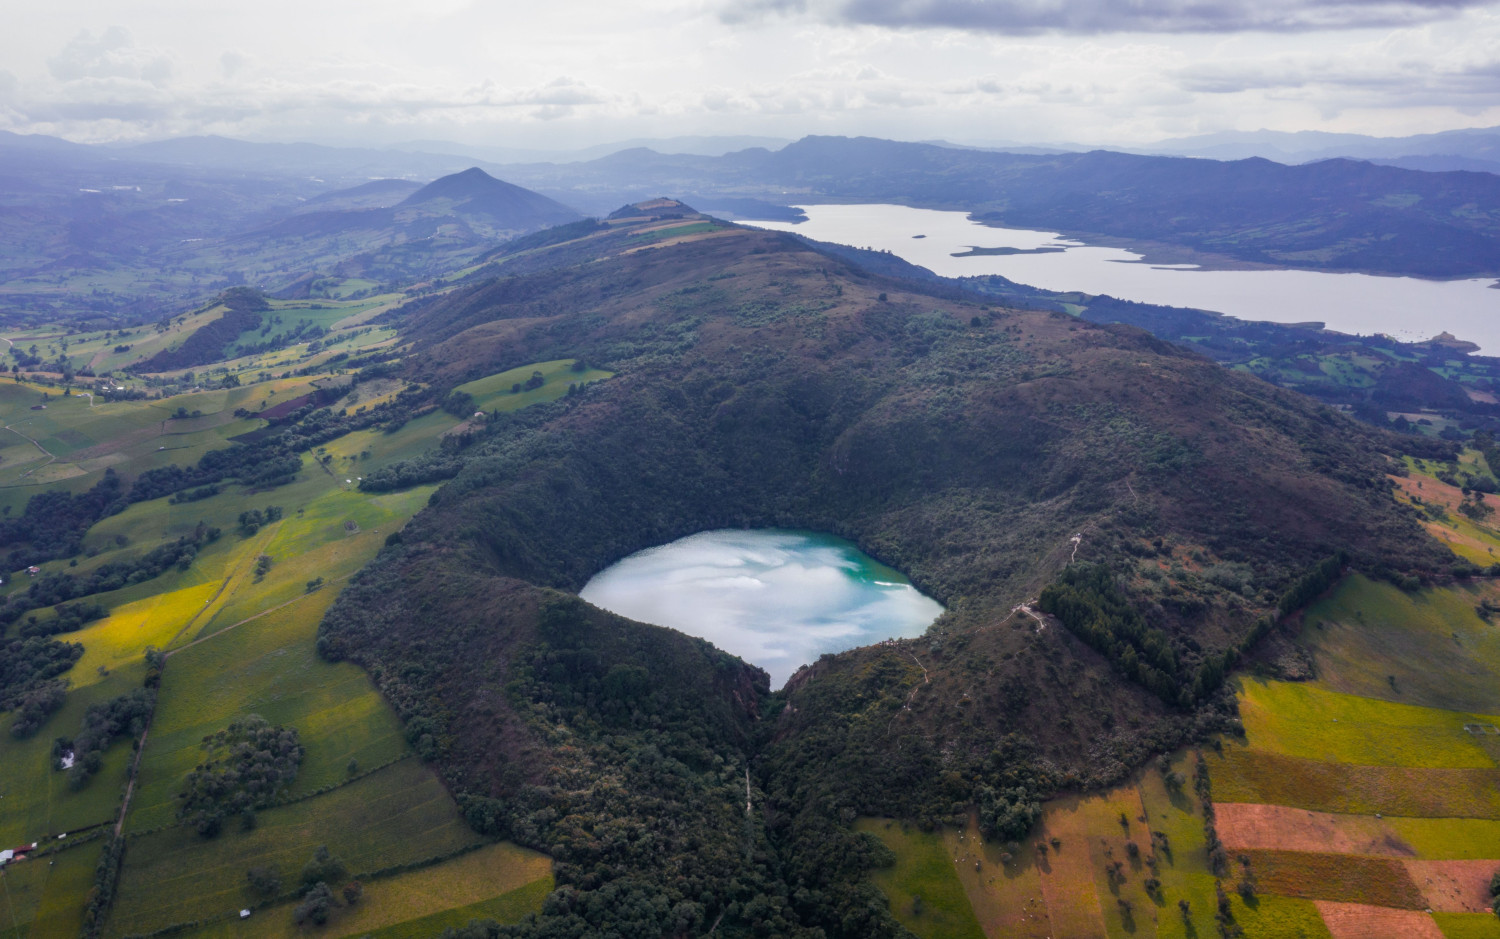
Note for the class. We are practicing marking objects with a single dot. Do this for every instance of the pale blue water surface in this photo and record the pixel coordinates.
(1407, 308)
(776, 598)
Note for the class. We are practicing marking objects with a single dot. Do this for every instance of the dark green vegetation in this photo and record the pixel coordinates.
(762, 383)
(28, 679)
(103, 724)
(248, 764)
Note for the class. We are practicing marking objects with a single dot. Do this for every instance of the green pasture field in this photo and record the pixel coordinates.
(1450, 838)
(1298, 719)
(312, 541)
(492, 393)
(413, 439)
(1004, 890)
(91, 350)
(502, 882)
(924, 892)
(677, 231)
(1243, 775)
(41, 898)
(1183, 867)
(328, 315)
(269, 667)
(129, 436)
(1276, 918)
(1468, 925)
(36, 801)
(1080, 899)
(1432, 643)
(397, 815)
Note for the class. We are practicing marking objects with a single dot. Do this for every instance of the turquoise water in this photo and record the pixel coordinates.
(776, 598)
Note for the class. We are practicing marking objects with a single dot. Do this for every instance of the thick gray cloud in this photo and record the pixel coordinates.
(1391, 82)
(573, 73)
(1030, 17)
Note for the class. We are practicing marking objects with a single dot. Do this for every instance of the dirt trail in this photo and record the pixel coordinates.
(135, 768)
(250, 619)
(51, 457)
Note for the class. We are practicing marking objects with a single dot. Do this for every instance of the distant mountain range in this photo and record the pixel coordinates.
(138, 230)
(95, 231)
(1336, 215)
(1470, 149)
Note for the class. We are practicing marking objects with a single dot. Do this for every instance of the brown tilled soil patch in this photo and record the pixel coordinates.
(1358, 921)
(1279, 827)
(1341, 877)
(1453, 886)
(284, 408)
(1242, 775)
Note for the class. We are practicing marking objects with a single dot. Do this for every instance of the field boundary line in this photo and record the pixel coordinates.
(249, 619)
(51, 457)
(223, 585)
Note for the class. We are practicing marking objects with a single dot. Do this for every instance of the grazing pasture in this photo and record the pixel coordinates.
(1302, 720)
(922, 886)
(1428, 647)
(1074, 875)
(269, 667)
(500, 881)
(493, 392)
(396, 815)
(39, 898)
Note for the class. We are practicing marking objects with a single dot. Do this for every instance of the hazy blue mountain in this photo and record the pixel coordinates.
(699, 145)
(1474, 144)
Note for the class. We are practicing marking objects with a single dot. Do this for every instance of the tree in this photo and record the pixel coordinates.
(322, 868)
(316, 906)
(264, 881)
(353, 891)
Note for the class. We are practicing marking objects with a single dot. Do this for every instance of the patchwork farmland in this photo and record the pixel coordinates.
(226, 634)
(1362, 803)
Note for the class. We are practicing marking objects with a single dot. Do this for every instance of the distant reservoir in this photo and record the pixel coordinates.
(776, 598)
(1403, 307)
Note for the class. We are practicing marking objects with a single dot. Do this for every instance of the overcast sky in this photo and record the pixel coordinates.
(577, 72)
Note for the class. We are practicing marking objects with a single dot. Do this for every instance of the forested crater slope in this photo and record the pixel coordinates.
(759, 382)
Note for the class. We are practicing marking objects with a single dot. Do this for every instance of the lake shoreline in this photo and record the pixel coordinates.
(1405, 308)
